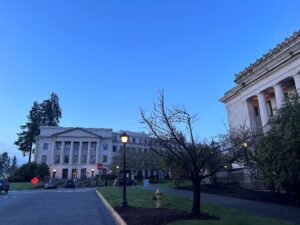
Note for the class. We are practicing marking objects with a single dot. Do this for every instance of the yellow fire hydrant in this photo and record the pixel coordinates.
(158, 196)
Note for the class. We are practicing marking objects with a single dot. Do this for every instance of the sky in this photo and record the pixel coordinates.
(107, 59)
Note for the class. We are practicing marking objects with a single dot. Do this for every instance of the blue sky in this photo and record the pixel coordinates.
(106, 59)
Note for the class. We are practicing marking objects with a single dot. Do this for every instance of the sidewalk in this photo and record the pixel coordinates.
(288, 213)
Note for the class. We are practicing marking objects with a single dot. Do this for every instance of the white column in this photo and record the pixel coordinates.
(52, 159)
(80, 152)
(97, 152)
(71, 154)
(88, 153)
(62, 152)
(279, 95)
(263, 109)
(297, 81)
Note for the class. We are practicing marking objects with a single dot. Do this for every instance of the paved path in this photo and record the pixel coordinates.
(53, 207)
(291, 214)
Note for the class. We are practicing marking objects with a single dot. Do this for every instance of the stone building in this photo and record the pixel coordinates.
(262, 87)
(74, 152)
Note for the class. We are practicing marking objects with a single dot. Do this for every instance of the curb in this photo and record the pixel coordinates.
(114, 214)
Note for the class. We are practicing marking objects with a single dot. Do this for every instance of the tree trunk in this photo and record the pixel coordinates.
(196, 197)
(29, 158)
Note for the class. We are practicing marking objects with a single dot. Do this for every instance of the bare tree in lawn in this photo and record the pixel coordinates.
(172, 133)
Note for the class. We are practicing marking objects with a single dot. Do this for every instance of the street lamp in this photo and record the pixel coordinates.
(245, 146)
(93, 171)
(53, 173)
(124, 140)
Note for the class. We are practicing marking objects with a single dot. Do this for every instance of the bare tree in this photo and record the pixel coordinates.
(172, 133)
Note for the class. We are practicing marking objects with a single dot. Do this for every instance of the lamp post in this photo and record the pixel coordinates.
(54, 173)
(93, 171)
(245, 146)
(124, 140)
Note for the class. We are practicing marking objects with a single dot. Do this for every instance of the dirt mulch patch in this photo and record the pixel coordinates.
(152, 216)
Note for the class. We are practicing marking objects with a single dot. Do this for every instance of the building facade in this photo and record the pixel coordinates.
(262, 87)
(74, 152)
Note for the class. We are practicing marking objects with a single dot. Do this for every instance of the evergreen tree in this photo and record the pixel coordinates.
(26, 138)
(51, 111)
(47, 113)
(4, 163)
(13, 166)
(278, 155)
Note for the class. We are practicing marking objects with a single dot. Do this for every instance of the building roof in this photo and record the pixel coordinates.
(265, 57)
(283, 52)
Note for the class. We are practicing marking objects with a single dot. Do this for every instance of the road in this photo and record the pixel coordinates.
(291, 214)
(53, 207)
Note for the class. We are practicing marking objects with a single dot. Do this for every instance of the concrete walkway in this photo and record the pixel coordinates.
(287, 213)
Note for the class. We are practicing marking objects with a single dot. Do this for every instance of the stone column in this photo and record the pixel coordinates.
(88, 153)
(263, 109)
(97, 152)
(297, 82)
(62, 152)
(80, 153)
(279, 95)
(71, 153)
(52, 159)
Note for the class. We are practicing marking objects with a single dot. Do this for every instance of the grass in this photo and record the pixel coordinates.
(23, 186)
(138, 197)
(170, 184)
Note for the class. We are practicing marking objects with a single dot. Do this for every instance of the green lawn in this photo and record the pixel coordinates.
(170, 184)
(142, 198)
(23, 186)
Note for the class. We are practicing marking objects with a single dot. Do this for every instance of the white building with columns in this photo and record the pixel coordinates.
(74, 152)
(263, 86)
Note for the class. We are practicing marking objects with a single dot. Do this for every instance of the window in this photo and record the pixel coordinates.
(270, 109)
(44, 159)
(75, 158)
(57, 159)
(83, 173)
(65, 173)
(58, 145)
(105, 146)
(114, 148)
(45, 146)
(67, 145)
(115, 138)
(84, 159)
(66, 159)
(104, 158)
(76, 146)
(133, 140)
(92, 159)
(85, 146)
(93, 147)
(74, 173)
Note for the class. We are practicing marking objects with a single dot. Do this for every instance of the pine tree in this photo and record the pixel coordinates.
(13, 166)
(26, 138)
(51, 111)
(47, 113)
(4, 163)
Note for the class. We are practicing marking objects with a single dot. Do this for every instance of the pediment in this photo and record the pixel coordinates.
(76, 132)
